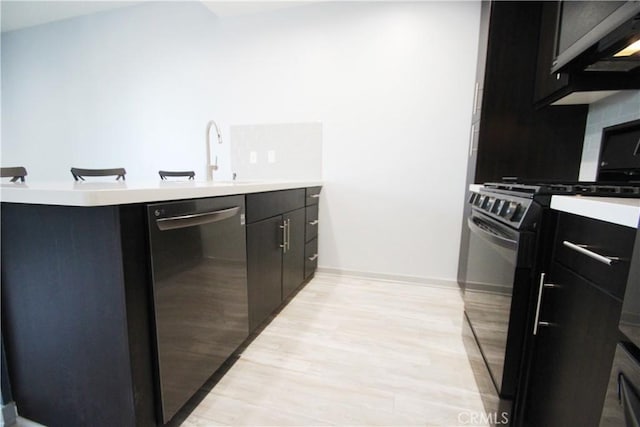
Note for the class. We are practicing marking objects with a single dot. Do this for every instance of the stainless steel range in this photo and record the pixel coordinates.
(510, 226)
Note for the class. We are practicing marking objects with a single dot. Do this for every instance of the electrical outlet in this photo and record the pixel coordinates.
(253, 157)
(271, 156)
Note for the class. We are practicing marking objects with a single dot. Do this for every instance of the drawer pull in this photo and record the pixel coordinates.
(315, 222)
(313, 258)
(584, 251)
(314, 196)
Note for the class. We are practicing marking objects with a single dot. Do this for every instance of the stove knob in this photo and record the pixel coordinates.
(500, 207)
(511, 209)
(489, 205)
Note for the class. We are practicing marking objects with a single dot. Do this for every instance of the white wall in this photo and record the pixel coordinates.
(620, 108)
(392, 84)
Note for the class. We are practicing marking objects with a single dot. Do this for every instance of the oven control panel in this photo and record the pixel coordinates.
(506, 208)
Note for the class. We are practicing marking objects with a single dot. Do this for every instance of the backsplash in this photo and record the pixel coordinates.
(618, 108)
(290, 151)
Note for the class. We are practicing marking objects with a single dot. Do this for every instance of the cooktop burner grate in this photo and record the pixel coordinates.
(626, 189)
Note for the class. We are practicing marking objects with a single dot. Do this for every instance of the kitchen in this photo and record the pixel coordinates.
(136, 86)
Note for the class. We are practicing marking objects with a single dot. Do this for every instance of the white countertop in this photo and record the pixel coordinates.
(120, 193)
(619, 211)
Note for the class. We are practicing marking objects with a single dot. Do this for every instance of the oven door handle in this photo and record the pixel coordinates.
(192, 220)
(486, 234)
(630, 402)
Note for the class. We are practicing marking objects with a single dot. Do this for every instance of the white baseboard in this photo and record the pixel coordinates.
(423, 281)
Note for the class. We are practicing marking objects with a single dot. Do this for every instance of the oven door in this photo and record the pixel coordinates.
(491, 274)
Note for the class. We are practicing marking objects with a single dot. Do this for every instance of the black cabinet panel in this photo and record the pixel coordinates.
(266, 205)
(293, 258)
(264, 263)
(64, 316)
(573, 356)
(580, 307)
(515, 138)
(547, 83)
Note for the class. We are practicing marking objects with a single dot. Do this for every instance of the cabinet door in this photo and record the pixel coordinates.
(293, 259)
(264, 268)
(573, 355)
(546, 82)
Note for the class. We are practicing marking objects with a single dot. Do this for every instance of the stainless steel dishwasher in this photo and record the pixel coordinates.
(199, 268)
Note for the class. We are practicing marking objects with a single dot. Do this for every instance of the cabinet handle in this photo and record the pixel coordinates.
(537, 319)
(473, 146)
(542, 286)
(315, 222)
(313, 258)
(584, 251)
(314, 196)
(475, 98)
(288, 234)
(284, 236)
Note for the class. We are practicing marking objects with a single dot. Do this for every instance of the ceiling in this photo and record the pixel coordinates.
(18, 14)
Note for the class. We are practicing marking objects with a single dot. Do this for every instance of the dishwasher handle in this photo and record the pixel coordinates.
(193, 220)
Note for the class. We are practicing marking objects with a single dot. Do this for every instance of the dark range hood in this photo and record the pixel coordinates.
(591, 36)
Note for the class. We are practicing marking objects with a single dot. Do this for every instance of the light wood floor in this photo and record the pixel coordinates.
(349, 351)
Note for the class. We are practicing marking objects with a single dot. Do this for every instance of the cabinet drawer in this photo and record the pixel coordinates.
(310, 258)
(311, 222)
(313, 195)
(580, 240)
(265, 205)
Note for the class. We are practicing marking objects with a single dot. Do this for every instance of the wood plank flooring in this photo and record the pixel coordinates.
(349, 351)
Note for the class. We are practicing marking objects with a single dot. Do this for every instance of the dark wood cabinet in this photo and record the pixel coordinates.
(577, 330)
(76, 314)
(573, 354)
(264, 274)
(509, 136)
(548, 83)
(277, 245)
(516, 139)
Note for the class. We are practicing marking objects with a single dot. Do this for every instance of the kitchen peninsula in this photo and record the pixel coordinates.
(87, 290)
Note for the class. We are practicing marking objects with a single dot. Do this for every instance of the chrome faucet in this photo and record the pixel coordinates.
(214, 166)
